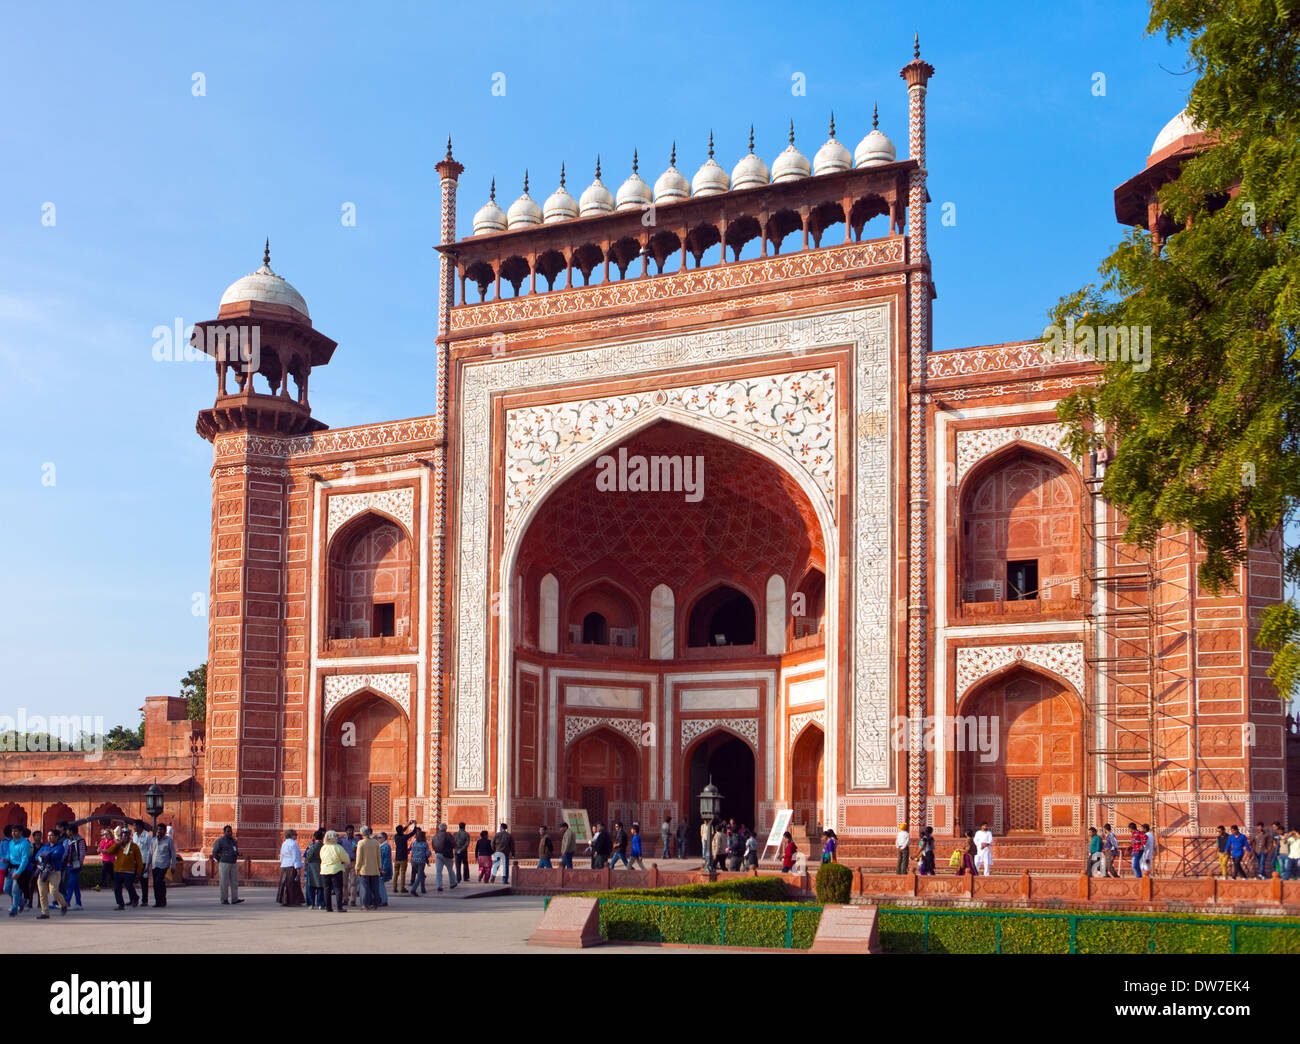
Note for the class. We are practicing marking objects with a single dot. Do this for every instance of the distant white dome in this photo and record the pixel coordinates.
(490, 217)
(710, 179)
(832, 156)
(596, 198)
(265, 287)
(1180, 126)
(524, 212)
(559, 206)
(634, 193)
(791, 165)
(875, 148)
(750, 171)
(672, 184)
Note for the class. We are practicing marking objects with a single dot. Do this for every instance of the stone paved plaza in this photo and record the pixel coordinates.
(194, 921)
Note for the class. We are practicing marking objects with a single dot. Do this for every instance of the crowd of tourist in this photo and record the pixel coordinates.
(42, 870)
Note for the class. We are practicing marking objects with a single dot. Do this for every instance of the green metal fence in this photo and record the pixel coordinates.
(1060, 932)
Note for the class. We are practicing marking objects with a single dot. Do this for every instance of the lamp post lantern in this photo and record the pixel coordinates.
(710, 807)
(153, 803)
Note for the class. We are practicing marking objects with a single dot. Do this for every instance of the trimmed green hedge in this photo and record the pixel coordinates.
(1094, 933)
(684, 921)
(741, 889)
(834, 884)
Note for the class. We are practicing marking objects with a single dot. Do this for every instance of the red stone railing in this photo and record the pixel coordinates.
(911, 888)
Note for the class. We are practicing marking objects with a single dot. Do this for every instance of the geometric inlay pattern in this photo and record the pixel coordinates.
(338, 687)
(798, 721)
(399, 503)
(575, 727)
(793, 412)
(976, 444)
(977, 661)
(745, 728)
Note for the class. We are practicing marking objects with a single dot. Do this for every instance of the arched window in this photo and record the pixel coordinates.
(603, 613)
(808, 604)
(370, 581)
(723, 616)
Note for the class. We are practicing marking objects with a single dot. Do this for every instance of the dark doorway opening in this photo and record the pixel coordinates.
(729, 761)
(724, 616)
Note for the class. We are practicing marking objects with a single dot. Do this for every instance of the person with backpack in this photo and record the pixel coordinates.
(49, 867)
(72, 867)
(444, 857)
(419, 853)
(503, 848)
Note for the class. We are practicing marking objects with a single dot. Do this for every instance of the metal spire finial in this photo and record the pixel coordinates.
(710, 144)
(875, 117)
(493, 194)
(672, 159)
(598, 167)
(916, 46)
(751, 139)
(525, 182)
(561, 174)
(635, 161)
(449, 146)
(266, 254)
(792, 132)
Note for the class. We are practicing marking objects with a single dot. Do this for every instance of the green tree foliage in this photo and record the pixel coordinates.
(1209, 436)
(122, 737)
(194, 687)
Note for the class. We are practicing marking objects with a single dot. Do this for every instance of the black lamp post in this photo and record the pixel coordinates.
(153, 803)
(710, 807)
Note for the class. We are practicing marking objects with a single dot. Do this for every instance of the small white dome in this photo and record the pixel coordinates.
(633, 193)
(791, 165)
(875, 148)
(710, 179)
(1180, 126)
(559, 206)
(751, 170)
(490, 217)
(596, 198)
(524, 212)
(265, 287)
(672, 184)
(832, 156)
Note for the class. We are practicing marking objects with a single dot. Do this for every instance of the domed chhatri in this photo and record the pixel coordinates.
(560, 206)
(750, 171)
(490, 217)
(875, 148)
(832, 156)
(1181, 126)
(524, 212)
(791, 165)
(265, 287)
(596, 198)
(633, 193)
(672, 185)
(710, 179)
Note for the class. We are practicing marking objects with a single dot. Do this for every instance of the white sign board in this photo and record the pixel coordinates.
(779, 826)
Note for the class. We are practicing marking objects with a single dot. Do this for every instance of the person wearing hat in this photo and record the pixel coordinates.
(903, 842)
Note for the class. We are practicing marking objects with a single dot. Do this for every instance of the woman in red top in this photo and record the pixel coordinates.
(106, 864)
(788, 852)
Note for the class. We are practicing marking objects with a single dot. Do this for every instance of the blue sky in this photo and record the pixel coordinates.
(162, 198)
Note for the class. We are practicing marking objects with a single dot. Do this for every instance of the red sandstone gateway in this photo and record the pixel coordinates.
(448, 618)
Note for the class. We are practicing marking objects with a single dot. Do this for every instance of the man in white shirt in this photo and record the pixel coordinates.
(984, 849)
(144, 838)
(903, 843)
